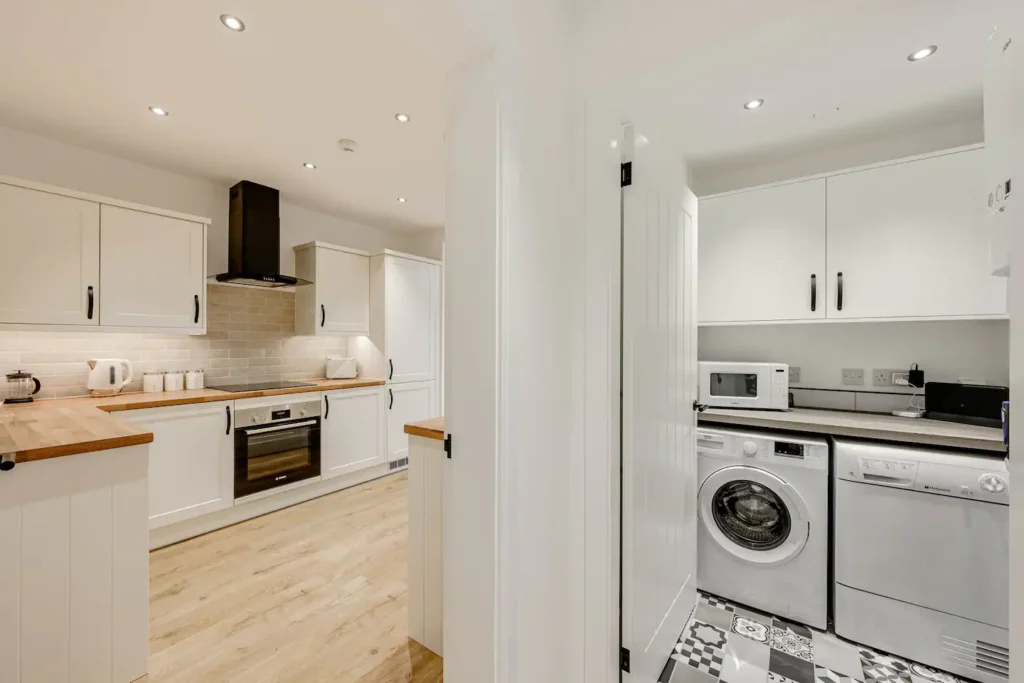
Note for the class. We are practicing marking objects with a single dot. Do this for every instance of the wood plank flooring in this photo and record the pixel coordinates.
(316, 592)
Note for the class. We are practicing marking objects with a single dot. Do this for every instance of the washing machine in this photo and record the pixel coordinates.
(764, 522)
(922, 555)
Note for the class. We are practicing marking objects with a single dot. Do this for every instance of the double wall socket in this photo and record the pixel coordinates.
(794, 374)
(853, 377)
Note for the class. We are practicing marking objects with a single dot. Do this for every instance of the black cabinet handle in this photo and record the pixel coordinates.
(391, 404)
(839, 293)
(6, 463)
(391, 368)
(327, 406)
(227, 409)
(197, 310)
(323, 315)
(92, 300)
(814, 293)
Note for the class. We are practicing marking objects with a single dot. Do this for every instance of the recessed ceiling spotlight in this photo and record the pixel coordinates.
(232, 22)
(402, 200)
(753, 104)
(402, 118)
(923, 53)
(309, 166)
(159, 111)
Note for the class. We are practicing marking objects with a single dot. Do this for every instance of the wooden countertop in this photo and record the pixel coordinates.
(53, 429)
(920, 431)
(431, 429)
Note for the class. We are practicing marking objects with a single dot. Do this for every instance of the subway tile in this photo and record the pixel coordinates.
(229, 363)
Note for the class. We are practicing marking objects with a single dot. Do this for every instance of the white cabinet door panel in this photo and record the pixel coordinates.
(909, 241)
(343, 290)
(411, 402)
(154, 274)
(51, 246)
(761, 254)
(191, 460)
(353, 431)
(412, 319)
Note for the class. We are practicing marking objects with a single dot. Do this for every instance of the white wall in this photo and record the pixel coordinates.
(28, 156)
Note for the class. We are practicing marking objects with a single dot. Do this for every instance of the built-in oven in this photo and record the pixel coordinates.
(276, 445)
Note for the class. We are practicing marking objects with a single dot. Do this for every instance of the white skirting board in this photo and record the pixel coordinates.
(74, 569)
(426, 584)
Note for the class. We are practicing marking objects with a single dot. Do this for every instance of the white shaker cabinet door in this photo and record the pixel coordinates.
(411, 402)
(412, 310)
(909, 241)
(762, 254)
(154, 270)
(191, 459)
(51, 262)
(343, 290)
(353, 431)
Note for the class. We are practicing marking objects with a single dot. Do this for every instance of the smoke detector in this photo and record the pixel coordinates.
(347, 145)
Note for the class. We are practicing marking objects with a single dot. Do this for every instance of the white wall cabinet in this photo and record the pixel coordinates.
(352, 435)
(338, 301)
(762, 254)
(408, 402)
(908, 239)
(51, 245)
(191, 459)
(154, 270)
(897, 241)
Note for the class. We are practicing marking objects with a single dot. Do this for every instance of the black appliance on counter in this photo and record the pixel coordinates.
(277, 444)
(973, 404)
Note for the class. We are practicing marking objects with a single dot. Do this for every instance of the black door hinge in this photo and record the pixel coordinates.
(627, 174)
(699, 407)
(624, 660)
(448, 445)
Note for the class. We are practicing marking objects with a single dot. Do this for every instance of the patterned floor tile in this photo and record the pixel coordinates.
(838, 656)
(687, 674)
(715, 601)
(879, 668)
(747, 663)
(795, 669)
(796, 628)
(920, 673)
(716, 617)
(700, 656)
(778, 678)
(823, 675)
(792, 643)
(749, 628)
(705, 633)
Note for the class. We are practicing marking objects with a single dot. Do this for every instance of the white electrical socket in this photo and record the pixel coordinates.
(901, 379)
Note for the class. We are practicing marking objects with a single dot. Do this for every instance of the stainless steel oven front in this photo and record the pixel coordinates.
(276, 445)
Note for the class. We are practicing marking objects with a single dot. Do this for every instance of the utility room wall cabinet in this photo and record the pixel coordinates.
(92, 262)
(899, 241)
(338, 301)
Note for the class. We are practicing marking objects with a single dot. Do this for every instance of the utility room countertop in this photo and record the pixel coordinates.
(921, 431)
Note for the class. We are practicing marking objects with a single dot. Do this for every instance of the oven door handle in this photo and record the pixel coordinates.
(279, 428)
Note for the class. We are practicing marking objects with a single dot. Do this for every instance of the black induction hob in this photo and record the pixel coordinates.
(258, 386)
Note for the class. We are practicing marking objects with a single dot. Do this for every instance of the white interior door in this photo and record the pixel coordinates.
(659, 380)
(412, 319)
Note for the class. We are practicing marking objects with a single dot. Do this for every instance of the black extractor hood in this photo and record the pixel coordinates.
(254, 238)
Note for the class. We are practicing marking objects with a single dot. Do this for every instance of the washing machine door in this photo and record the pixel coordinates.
(754, 515)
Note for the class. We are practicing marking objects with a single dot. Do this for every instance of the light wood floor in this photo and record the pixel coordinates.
(316, 592)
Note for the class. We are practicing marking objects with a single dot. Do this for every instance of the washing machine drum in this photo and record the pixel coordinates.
(754, 515)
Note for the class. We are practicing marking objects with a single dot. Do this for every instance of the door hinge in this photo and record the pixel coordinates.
(699, 407)
(624, 660)
(448, 445)
(627, 174)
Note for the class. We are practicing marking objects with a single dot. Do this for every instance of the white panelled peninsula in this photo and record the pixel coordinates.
(897, 241)
(100, 263)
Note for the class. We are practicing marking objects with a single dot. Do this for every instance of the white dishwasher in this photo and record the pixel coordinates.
(922, 555)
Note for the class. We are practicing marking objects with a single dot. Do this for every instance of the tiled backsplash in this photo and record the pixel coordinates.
(250, 336)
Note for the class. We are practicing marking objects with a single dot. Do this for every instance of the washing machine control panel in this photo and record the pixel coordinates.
(794, 451)
(749, 449)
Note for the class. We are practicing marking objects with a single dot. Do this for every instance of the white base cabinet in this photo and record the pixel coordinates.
(191, 459)
(410, 402)
(352, 433)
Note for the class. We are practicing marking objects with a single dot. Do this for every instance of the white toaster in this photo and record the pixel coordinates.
(341, 368)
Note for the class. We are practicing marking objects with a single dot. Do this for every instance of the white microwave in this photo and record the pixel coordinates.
(764, 386)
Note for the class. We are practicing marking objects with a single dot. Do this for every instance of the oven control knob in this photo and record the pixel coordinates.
(749, 449)
(302, 412)
(255, 419)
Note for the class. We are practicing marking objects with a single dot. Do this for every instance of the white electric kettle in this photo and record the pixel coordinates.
(107, 376)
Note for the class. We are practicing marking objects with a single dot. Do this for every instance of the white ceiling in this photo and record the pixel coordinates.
(256, 105)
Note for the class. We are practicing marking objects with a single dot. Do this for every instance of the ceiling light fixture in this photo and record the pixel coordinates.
(402, 118)
(232, 22)
(402, 200)
(309, 165)
(753, 104)
(923, 53)
(159, 111)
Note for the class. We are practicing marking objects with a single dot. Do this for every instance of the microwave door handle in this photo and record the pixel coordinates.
(280, 428)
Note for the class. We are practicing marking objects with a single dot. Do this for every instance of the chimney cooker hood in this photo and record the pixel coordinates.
(254, 238)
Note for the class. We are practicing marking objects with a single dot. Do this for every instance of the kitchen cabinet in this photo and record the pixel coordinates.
(905, 240)
(407, 402)
(762, 254)
(154, 270)
(338, 301)
(51, 258)
(191, 460)
(352, 434)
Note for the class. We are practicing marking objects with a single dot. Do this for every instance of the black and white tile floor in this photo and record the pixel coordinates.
(726, 643)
